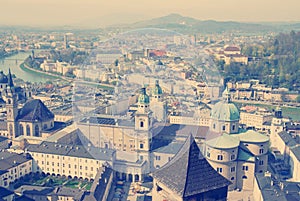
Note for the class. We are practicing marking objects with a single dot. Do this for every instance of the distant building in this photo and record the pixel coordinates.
(256, 119)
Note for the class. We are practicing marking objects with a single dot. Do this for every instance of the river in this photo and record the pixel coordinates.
(13, 62)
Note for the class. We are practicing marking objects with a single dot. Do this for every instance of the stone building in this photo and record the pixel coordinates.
(33, 118)
(236, 154)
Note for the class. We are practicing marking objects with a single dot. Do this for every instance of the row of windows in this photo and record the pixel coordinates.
(69, 166)
(63, 171)
(63, 158)
(224, 127)
(220, 157)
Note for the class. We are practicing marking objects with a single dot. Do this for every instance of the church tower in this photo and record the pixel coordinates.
(11, 108)
(142, 120)
(157, 105)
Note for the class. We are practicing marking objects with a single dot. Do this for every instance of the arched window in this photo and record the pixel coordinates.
(21, 129)
(141, 124)
(244, 177)
(28, 130)
(36, 130)
(232, 178)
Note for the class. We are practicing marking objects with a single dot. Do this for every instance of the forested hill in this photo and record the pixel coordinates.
(276, 63)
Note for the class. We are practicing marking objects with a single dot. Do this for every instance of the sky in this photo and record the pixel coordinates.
(108, 12)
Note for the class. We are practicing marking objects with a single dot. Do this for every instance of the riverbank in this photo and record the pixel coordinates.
(26, 68)
(46, 75)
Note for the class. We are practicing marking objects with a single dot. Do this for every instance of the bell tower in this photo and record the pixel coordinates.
(142, 120)
(11, 108)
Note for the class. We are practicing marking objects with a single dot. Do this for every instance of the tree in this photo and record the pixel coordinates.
(298, 99)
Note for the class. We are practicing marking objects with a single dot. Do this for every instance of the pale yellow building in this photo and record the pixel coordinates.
(69, 161)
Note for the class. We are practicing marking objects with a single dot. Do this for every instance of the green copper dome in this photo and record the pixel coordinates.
(252, 136)
(225, 111)
(224, 141)
(143, 97)
(157, 90)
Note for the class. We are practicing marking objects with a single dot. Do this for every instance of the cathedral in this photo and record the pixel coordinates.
(30, 120)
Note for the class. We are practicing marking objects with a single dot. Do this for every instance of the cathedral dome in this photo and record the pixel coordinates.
(225, 110)
(3, 78)
(143, 97)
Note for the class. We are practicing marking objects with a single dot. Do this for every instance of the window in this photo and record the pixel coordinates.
(220, 170)
(232, 178)
(232, 157)
(36, 130)
(245, 168)
(214, 126)
(208, 154)
(28, 130)
(157, 158)
(233, 127)
(141, 124)
(141, 146)
(261, 151)
(21, 130)
(220, 157)
(224, 128)
(261, 162)
(232, 169)
(244, 177)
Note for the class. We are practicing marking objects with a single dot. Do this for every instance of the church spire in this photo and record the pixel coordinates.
(10, 80)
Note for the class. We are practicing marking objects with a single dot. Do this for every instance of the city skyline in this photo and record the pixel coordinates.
(104, 13)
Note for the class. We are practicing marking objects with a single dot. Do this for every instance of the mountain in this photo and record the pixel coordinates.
(183, 24)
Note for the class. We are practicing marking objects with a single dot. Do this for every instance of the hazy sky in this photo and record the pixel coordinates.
(100, 12)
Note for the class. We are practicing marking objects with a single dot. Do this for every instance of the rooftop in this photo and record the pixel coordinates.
(252, 136)
(72, 150)
(224, 141)
(9, 160)
(35, 110)
(189, 173)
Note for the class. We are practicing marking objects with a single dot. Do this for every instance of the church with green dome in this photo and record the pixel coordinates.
(235, 153)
